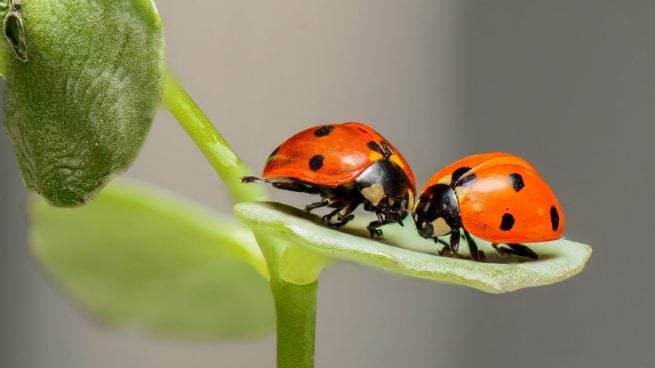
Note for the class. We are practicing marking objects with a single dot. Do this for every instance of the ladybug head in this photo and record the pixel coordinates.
(386, 189)
(437, 212)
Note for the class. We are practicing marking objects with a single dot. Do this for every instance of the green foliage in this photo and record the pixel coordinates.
(143, 259)
(83, 81)
(403, 251)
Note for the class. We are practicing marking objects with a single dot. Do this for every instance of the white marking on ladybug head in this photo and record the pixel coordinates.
(374, 193)
(441, 227)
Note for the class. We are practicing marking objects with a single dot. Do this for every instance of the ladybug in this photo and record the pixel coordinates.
(497, 197)
(347, 165)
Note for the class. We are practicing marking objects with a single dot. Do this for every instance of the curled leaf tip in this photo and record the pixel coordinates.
(14, 30)
(402, 250)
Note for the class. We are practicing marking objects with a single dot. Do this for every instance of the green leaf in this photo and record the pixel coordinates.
(403, 251)
(146, 260)
(83, 83)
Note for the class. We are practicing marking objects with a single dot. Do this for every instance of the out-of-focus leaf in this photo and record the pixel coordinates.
(83, 81)
(143, 259)
(403, 251)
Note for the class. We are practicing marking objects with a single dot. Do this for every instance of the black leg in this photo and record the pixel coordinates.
(516, 249)
(476, 254)
(501, 250)
(454, 241)
(522, 250)
(446, 251)
(315, 205)
(343, 214)
(439, 241)
(374, 225)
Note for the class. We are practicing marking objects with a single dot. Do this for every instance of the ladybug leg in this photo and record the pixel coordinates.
(373, 228)
(385, 216)
(476, 254)
(446, 251)
(374, 225)
(522, 250)
(439, 241)
(343, 214)
(450, 249)
(454, 242)
(516, 249)
(383, 219)
(315, 205)
(501, 250)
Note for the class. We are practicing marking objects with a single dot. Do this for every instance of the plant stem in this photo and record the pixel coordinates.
(295, 309)
(295, 305)
(212, 144)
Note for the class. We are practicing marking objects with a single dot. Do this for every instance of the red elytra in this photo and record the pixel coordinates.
(498, 197)
(347, 165)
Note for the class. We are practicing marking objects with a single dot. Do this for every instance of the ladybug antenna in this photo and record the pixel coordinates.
(254, 179)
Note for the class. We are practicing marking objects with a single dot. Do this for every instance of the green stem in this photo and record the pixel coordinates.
(212, 144)
(295, 309)
(295, 305)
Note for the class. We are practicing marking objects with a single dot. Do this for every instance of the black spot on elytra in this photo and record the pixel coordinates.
(554, 218)
(323, 131)
(507, 222)
(457, 175)
(316, 162)
(374, 146)
(517, 181)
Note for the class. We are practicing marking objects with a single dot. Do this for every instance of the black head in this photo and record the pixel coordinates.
(437, 212)
(386, 189)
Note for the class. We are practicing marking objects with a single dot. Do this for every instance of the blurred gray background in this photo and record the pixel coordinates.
(569, 85)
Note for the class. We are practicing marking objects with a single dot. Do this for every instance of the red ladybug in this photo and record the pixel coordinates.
(497, 197)
(347, 165)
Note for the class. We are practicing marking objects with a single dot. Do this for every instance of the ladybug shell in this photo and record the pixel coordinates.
(331, 155)
(444, 176)
(502, 199)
